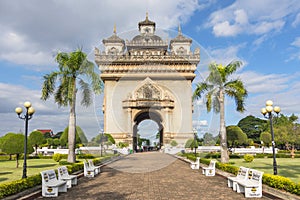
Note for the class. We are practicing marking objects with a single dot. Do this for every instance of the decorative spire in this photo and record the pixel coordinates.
(115, 29)
(146, 16)
(179, 29)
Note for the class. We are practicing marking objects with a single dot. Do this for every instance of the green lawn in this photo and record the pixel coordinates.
(9, 172)
(286, 167)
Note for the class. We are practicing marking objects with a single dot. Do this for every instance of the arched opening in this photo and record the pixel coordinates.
(144, 117)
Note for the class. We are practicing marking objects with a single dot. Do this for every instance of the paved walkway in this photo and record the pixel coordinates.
(154, 176)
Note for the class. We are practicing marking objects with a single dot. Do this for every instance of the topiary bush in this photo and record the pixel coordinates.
(57, 157)
(248, 158)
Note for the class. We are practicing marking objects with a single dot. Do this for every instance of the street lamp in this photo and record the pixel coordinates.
(195, 141)
(268, 113)
(27, 116)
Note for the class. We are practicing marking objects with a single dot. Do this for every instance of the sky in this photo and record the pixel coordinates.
(264, 35)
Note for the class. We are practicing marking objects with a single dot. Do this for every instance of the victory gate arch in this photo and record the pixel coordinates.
(148, 78)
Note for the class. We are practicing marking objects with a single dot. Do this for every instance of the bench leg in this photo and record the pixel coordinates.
(234, 186)
(229, 183)
(63, 188)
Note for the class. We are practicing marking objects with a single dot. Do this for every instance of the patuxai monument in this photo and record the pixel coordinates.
(148, 78)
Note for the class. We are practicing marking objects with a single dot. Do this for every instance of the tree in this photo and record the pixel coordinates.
(3, 139)
(235, 136)
(74, 68)
(80, 136)
(266, 138)
(14, 144)
(36, 138)
(253, 127)
(209, 139)
(215, 87)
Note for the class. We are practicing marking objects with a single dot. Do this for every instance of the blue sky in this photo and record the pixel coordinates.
(265, 35)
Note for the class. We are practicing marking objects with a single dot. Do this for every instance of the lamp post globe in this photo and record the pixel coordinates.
(27, 104)
(269, 103)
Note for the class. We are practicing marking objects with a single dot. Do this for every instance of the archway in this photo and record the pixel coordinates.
(144, 115)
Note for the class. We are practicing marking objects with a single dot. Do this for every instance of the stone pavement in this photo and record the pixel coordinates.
(150, 176)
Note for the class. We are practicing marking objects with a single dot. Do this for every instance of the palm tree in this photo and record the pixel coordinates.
(215, 87)
(74, 68)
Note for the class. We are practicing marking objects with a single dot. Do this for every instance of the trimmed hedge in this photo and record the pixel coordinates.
(14, 187)
(274, 181)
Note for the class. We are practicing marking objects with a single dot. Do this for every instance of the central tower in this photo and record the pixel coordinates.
(148, 78)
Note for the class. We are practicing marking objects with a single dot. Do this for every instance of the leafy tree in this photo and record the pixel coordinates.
(3, 139)
(191, 143)
(80, 136)
(209, 139)
(215, 87)
(58, 135)
(266, 138)
(36, 138)
(48, 135)
(235, 136)
(49, 142)
(56, 142)
(74, 68)
(173, 143)
(14, 144)
(253, 127)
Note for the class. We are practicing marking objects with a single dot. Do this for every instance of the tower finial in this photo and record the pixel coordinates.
(146, 15)
(115, 29)
(179, 29)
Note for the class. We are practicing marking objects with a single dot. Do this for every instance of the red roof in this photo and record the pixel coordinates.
(45, 130)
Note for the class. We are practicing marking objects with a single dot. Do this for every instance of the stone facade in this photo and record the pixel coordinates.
(145, 79)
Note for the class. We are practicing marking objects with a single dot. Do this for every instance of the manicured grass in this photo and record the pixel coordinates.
(286, 167)
(9, 172)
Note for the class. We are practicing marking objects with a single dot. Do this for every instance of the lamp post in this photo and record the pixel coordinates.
(101, 141)
(27, 116)
(195, 141)
(268, 113)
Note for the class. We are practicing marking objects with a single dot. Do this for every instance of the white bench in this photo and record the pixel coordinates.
(96, 168)
(196, 164)
(63, 175)
(241, 175)
(252, 187)
(50, 185)
(87, 171)
(210, 170)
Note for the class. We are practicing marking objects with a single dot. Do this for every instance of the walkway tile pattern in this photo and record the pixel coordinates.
(174, 181)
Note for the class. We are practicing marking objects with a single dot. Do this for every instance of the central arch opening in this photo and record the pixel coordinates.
(148, 135)
(147, 125)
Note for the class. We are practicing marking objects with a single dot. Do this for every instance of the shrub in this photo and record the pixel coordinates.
(248, 157)
(57, 157)
(213, 155)
(173, 143)
(85, 156)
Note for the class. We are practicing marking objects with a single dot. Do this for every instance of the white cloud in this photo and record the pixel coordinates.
(252, 17)
(47, 115)
(227, 54)
(296, 42)
(296, 22)
(31, 38)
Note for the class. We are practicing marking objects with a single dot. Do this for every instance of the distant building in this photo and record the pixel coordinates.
(44, 131)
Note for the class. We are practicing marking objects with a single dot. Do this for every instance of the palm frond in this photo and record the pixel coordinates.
(49, 85)
(232, 67)
(200, 89)
(86, 91)
(236, 90)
